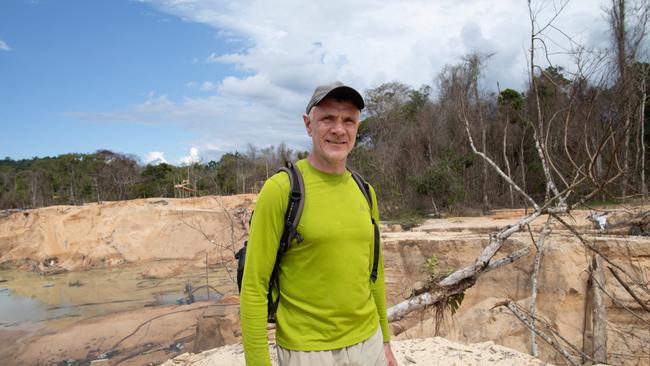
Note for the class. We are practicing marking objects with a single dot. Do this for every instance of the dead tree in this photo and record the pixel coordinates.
(628, 21)
(599, 314)
(577, 166)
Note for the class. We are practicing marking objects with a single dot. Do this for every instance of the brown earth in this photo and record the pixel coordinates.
(170, 234)
(135, 337)
(562, 294)
(113, 233)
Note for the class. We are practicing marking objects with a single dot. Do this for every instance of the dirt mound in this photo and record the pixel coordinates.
(111, 233)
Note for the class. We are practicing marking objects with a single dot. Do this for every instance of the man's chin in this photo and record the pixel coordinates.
(337, 156)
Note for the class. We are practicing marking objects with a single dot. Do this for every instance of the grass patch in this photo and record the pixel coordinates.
(600, 203)
(408, 220)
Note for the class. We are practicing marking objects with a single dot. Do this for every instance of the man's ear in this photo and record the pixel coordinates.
(307, 121)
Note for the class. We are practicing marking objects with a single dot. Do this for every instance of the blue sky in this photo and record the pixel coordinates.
(88, 56)
(192, 79)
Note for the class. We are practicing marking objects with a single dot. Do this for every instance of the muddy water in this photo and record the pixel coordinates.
(27, 299)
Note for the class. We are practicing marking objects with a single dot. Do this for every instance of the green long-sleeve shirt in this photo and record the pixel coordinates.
(327, 300)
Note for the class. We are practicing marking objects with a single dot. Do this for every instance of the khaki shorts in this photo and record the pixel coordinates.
(367, 353)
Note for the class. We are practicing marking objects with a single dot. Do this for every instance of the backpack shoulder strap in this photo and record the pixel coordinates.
(294, 207)
(363, 186)
(290, 231)
(365, 189)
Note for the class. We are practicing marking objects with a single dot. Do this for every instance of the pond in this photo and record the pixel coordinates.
(27, 298)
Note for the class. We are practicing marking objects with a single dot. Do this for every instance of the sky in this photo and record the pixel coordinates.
(189, 80)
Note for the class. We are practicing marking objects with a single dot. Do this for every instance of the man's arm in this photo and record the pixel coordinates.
(379, 291)
(265, 231)
(390, 357)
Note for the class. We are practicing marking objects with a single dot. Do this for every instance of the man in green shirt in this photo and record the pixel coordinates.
(330, 312)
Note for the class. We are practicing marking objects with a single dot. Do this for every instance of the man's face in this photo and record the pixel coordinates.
(333, 129)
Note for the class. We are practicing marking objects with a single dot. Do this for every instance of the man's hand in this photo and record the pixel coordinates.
(389, 355)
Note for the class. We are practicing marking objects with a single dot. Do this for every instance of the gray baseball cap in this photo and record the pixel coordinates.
(336, 90)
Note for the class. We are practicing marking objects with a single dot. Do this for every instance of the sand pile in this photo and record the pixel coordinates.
(423, 351)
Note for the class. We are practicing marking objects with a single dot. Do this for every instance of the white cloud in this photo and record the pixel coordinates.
(366, 43)
(213, 58)
(155, 158)
(207, 86)
(192, 158)
(287, 47)
(4, 46)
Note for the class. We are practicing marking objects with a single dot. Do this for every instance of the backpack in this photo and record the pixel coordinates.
(290, 232)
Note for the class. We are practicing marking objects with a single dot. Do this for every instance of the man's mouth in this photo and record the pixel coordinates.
(336, 142)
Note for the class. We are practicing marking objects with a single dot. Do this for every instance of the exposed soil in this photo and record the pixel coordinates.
(135, 337)
(161, 243)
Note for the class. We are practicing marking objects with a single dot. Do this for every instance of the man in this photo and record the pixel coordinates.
(330, 312)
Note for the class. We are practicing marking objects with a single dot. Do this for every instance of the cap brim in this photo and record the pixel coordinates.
(339, 91)
(345, 92)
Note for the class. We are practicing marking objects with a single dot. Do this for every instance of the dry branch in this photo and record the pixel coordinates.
(526, 321)
(496, 167)
(496, 241)
(398, 311)
(537, 264)
(599, 332)
(595, 250)
(619, 303)
(629, 290)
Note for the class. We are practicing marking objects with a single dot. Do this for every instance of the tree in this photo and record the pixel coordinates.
(510, 103)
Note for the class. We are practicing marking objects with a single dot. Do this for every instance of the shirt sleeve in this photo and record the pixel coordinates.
(378, 288)
(264, 239)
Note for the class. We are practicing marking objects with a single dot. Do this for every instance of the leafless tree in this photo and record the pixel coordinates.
(628, 21)
(576, 166)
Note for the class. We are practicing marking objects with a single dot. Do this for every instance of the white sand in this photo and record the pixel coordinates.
(424, 351)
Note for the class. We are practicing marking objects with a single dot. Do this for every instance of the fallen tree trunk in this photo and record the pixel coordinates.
(400, 310)
(464, 278)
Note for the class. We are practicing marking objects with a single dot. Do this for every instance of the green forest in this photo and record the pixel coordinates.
(75, 179)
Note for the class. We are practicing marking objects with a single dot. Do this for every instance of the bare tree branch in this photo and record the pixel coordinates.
(629, 290)
(527, 322)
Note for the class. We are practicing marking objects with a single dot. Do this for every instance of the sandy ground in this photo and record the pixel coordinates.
(424, 351)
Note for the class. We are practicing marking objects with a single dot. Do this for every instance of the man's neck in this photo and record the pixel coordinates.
(326, 166)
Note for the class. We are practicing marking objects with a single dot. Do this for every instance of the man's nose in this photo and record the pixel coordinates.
(338, 127)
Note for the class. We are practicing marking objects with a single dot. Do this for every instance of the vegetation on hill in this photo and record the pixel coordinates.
(73, 179)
